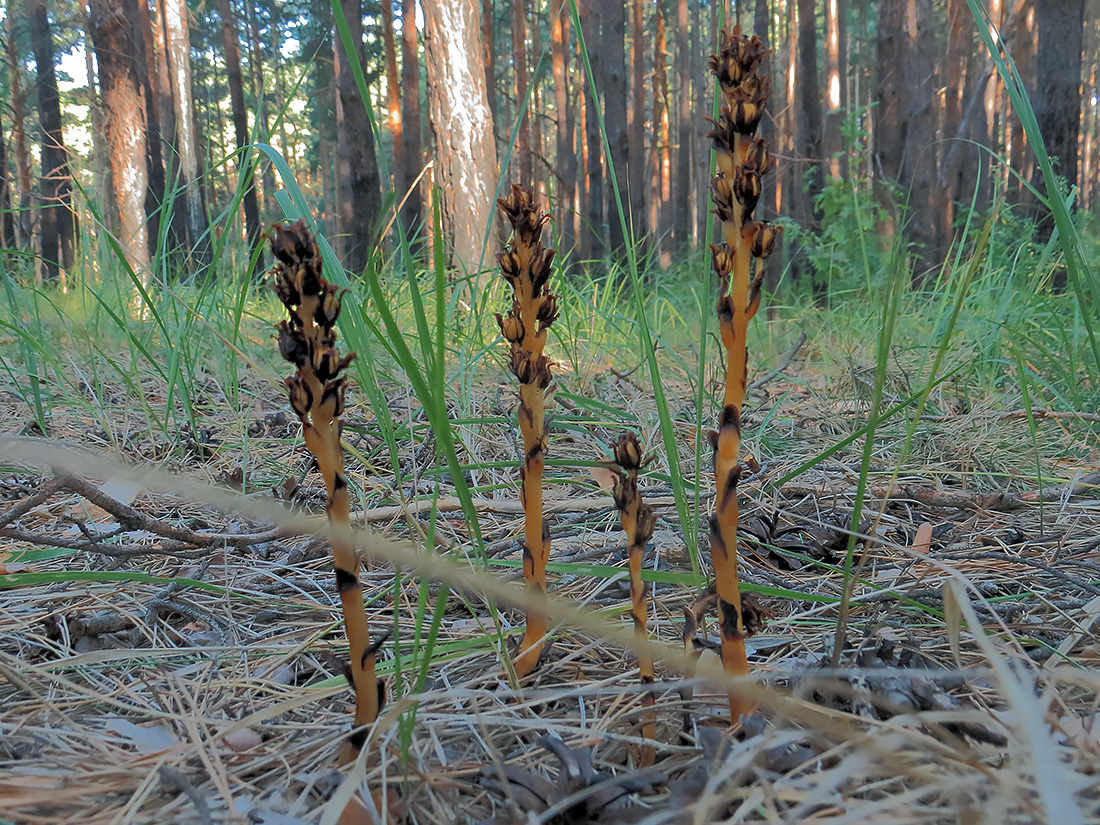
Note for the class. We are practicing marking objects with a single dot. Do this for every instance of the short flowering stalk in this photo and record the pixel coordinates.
(307, 339)
(742, 159)
(638, 520)
(525, 265)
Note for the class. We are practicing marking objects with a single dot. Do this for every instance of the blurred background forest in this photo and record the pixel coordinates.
(130, 118)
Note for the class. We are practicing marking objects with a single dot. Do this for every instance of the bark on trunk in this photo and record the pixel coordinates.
(254, 231)
(519, 64)
(360, 191)
(1061, 25)
(117, 53)
(458, 106)
(7, 224)
(393, 85)
(593, 237)
(178, 49)
(681, 190)
(836, 91)
(661, 195)
(18, 134)
(810, 131)
(637, 122)
(565, 203)
(412, 153)
(614, 89)
(57, 224)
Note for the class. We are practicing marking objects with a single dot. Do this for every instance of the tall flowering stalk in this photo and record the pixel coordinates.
(638, 520)
(743, 159)
(525, 265)
(308, 341)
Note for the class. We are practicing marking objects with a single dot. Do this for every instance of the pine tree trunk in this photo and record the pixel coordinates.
(458, 106)
(836, 63)
(661, 195)
(178, 49)
(412, 153)
(593, 234)
(240, 128)
(637, 122)
(686, 123)
(57, 224)
(1020, 157)
(118, 51)
(614, 90)
(489, 58)
(7, 224)
(18, 134)
(519, 64)
(256, 71)
(360, 190)
(101, 171)
(393, 85)
(1061, 25)
(919, 167)
(565, 210)
(766, 209)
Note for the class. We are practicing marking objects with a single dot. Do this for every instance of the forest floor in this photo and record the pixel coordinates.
(183, 664)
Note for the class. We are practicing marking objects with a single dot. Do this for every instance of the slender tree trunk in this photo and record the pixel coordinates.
(18, 132)
(58, 227)
(240, 128)
(1023, 53)
(538, 109)
(593, 246)
(614, 89)
(1061, 26)
(489, 57)
(637, 121)
(661, 194)
(412, 153)
(891, 104)
(564, 206)
(393, 86)
(519, 63)
(836, 71)
(7, 224)
(118, 52)
(101, 175)
(919, 166)
(810, 131)
(960, 40)
(686, 123)
(462, 122)
(360, 190)
(178, 48)
(321, 12)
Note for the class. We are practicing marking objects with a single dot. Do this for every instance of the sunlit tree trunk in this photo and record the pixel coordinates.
(458, 105)
(56, 219)
(767, 206)
(686, 123)
(240, 126)
(836, 86)
(7, 224)
(101, 171)
(412, 153)
(489, 56)
(393, 85)
(321, 11)
(118, 51)
(660, 194)
(564, 204)
(178, 49)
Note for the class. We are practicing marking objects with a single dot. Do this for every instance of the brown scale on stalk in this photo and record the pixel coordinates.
(638, 520)
(742, 159)
(525, 264)
(308, 341)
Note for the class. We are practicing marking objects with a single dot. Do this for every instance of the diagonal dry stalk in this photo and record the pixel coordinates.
(308, 340)
(525, 264)
(742, 160)
(638, 520)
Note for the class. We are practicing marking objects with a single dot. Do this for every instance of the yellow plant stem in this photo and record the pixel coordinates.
(526, 266)
(638, 520)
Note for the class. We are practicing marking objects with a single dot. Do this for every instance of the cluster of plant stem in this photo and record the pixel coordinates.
(307, 339)
(742, 159)
(525, 265)
(638, 520)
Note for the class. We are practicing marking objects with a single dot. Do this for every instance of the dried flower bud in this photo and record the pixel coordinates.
(541, 259)
(721, 188)
(758, 156)
(328, 308)
(547, 311)
(509, 265)
(332, 399)
(746, 188)
(624, 491)
(628, 452)
(645, 523)
(511, 327)
(542, 372)
(301, 399)
(722, 259)
(292, 344)
(763, 238)
(285, 289)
